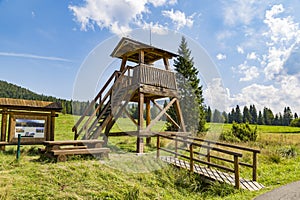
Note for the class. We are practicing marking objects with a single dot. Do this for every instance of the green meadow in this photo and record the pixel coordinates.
(89, 178)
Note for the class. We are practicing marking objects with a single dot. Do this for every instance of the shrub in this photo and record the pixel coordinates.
(295, 122)
(228, 136)
(288, 151)
(244, 132)
(239, 133)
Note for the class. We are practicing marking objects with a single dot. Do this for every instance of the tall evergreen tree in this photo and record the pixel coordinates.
(189, 89)
(238, 115)
(225, 117)
(287, 116)
(253, 113)
(268, 116)
(208, 114)
(217, 117)
(260, 119)
(246, 115)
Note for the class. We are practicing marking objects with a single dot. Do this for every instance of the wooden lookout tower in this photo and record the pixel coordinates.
(143, 84)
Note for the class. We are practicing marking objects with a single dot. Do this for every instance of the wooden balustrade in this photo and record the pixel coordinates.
(206, 144)
(145, 74)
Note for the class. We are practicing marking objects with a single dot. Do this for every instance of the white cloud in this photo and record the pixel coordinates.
(249, 72)
(116, 15)
(179, 18)
(283, 33)
(24, 55)
(119, 16)
(241, 11)
(240, 50)
(216, 95)
(251, 56)
(157, 3)
(221, 56)
(155, 28)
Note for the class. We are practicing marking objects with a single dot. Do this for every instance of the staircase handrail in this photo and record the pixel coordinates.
(117, 75)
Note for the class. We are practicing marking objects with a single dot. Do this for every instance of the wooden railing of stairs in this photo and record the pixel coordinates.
(92, 125)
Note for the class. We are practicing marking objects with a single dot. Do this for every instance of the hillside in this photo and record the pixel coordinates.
(9, 90)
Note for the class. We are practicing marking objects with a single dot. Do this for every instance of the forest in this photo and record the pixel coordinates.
(252, 116)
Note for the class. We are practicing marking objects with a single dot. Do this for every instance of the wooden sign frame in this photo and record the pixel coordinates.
(30, 116)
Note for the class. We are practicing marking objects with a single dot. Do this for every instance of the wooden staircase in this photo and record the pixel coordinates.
(106, 107)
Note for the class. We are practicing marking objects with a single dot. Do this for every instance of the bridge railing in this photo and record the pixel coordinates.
(192, 143)
(254, 152)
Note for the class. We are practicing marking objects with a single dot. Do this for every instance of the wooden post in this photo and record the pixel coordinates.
(236, 172)
(179, 115)
(208, 153)
(3, 127)
(158, 147)
(191, 158)
(166, 63)
(123, 64)
(148, 119)
(254, 175)
(52, 126)
(140, 141)
(176, 146)
(141, 57)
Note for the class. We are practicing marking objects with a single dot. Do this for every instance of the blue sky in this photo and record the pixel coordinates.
(254, 45)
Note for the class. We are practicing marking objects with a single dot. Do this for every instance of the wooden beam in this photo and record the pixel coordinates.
(52, 129)
(123, 64)
(140, 141)
(130, 117)
(166, 63)
(3, 127)
(148, 119)
(179, 115)
(141, 57)
(160, 115)
(167, 115)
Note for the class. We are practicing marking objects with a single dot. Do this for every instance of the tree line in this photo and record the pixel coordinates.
(250, 115)
(9, 90)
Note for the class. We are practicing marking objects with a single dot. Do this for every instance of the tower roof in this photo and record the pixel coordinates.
(130, 48)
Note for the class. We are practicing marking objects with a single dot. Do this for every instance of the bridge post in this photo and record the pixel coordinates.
(158, 147)
(254, 163)
(191, 158)
(236, 172)
(208, 153)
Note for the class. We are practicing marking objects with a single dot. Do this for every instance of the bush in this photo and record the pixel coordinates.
(228, 136)
(244, 132)
(239, 133)
(295, 122)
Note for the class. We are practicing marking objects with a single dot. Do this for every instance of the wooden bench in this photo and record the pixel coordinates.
(61, 154)
(61, 149)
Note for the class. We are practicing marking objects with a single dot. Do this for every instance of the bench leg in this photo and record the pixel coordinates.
(61, 158)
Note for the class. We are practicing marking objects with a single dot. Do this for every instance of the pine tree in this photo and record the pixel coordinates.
(253, 113)
(287, 116)
(189, 90)
(260, 119)
(208, 114)
(246, 115)
(238, 115)
(225, 117)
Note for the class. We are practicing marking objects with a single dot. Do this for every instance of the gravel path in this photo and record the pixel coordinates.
(287, 192)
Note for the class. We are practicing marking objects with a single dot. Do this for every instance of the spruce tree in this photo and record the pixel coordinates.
(190, 90)
(238, 115)
(208, 114)
(246, 115)
(260, 119)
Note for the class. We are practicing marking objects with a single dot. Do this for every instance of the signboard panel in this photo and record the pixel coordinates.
(30, 128)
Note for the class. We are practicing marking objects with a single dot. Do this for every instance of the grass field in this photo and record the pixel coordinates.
(88, 178)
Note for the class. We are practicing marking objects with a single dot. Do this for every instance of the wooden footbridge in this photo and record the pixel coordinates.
(210, 159)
